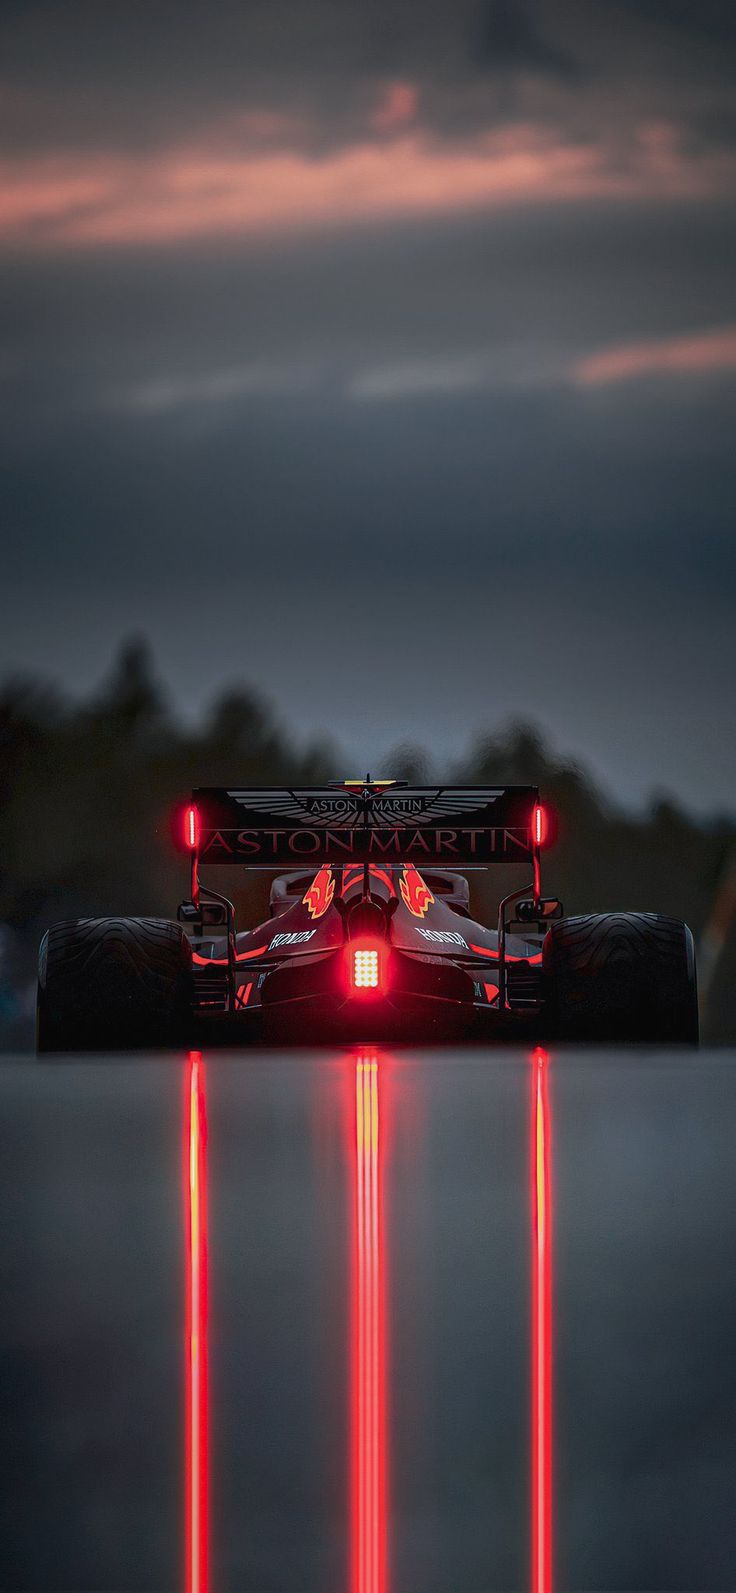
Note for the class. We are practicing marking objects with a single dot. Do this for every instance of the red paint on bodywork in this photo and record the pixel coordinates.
(320, 893)
(240, 956)
(491, 951)
(354, 874)
(415, 892)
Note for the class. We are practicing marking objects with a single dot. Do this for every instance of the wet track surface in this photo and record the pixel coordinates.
(369, 1321)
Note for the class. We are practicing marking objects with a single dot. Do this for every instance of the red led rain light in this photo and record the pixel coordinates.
(365, 968)
(191, 828)
(367, 974)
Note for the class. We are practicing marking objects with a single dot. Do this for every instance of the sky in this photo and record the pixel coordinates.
(380, 354)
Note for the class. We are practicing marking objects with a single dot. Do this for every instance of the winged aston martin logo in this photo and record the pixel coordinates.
(405, 808)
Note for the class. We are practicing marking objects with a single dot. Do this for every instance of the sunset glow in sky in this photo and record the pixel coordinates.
(451, 286)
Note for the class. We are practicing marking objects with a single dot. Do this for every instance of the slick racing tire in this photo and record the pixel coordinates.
(113, 984)
(621, 977)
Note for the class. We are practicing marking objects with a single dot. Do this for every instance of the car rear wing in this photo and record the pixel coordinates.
(358, 822)
(364, 821)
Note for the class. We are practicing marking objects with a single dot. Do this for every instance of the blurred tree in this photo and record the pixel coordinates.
(406, 762)
(87, 792)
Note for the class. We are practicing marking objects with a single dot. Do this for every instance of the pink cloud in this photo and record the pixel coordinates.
(214, 188)
(263, 126)
(398, 105)
(703, 351)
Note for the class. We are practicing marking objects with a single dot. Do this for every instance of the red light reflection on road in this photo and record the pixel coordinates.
(368, 1326)
(541, 1326)
(197, 1457)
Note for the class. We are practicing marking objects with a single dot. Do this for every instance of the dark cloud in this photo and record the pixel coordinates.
(415, 411)
(713, 21)
(124, 77)
(508, 39)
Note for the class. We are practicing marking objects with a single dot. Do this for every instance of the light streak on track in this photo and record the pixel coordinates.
(541, 1327)
(368, 1437)
(197, 1434)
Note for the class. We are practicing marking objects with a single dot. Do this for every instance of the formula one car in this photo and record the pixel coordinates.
(370, 935)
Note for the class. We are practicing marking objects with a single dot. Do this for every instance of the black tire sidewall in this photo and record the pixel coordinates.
(113, 984)
(621, 977)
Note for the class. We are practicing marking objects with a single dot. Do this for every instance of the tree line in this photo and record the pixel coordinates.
(87, 790)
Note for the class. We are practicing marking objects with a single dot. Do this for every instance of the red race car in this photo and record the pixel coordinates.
(370, 935)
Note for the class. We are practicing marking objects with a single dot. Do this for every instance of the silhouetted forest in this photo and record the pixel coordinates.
(87, 791)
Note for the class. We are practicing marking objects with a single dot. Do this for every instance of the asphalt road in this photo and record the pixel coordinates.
(369, 1322)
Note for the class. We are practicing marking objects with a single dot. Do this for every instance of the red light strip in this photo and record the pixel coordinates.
(191, 828)
(197, 1435)
(541, 1326)
(538, 824)
(368, 1400)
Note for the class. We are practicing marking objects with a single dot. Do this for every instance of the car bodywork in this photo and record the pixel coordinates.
(373, 932)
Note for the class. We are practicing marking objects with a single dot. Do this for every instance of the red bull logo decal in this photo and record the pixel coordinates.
(415, 894)
(320, 893)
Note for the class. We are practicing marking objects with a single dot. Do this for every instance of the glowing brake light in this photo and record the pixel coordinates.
(191, 828)
(367, 967)
(539, 825)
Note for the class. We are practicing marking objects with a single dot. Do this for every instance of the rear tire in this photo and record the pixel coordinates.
(113, 984)
(621, 977)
